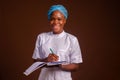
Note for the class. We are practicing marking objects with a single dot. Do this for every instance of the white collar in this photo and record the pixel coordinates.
(58, 35)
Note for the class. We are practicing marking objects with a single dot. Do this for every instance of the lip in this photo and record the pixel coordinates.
(56, 26)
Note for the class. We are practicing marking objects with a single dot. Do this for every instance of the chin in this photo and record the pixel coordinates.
(56, 31)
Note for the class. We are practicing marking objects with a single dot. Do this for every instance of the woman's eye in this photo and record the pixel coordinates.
(59, 19)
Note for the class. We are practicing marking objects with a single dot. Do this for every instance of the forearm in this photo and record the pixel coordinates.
(69, 67)
(40, 60)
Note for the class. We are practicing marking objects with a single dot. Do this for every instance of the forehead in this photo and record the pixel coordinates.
(57, 14)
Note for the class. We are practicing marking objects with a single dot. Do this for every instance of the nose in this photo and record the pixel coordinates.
(55, 22)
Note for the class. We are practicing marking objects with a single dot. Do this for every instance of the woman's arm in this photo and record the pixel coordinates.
(69, 67)
(40, 60)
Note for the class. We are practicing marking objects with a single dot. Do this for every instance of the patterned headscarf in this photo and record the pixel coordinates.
(60, 8)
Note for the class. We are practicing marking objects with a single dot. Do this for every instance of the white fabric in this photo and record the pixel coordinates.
(65, 45)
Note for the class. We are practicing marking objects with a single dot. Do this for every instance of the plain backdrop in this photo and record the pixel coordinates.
(94, 22)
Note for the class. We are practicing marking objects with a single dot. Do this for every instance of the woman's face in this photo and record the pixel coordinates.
(57, 22)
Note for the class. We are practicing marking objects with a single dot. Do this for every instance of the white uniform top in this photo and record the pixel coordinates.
(64, 45)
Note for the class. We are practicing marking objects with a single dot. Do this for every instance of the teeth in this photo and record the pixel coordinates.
(56, 26)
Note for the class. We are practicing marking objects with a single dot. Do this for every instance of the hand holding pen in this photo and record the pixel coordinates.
(52, 56)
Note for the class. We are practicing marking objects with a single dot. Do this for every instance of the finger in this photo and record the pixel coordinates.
(56, 56)
(53, 57)
(50, 54)
(50, 59)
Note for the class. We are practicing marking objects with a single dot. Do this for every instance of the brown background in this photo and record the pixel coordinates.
(94, 22)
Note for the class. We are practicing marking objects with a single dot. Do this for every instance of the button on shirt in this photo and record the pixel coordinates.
(64, 45)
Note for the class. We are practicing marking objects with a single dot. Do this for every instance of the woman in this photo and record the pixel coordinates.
(65, 47)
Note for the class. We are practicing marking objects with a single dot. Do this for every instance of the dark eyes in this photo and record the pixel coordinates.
(59, 19)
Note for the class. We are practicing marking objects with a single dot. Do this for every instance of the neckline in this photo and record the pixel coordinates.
(58, 35)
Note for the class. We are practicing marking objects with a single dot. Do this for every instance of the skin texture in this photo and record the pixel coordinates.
(57, 22)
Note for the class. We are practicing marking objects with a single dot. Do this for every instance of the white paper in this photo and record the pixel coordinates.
(33, 67)
(37, 65)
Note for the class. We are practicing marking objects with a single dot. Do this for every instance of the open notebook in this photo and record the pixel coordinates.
(38, 65)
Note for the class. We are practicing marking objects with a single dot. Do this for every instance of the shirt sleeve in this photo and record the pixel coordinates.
(36, 53)
(75, 54)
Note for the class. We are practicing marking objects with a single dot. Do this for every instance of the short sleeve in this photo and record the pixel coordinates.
(75, 53)
(36, 53)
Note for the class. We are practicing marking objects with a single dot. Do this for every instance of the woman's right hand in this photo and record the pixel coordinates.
(52, 57)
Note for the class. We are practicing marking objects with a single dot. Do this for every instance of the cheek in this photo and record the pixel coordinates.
(63, 22)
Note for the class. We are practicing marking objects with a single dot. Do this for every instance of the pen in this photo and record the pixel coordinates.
(51, 51)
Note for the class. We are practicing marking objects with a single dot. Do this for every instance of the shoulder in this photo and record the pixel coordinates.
(71, 36)
(44, 34)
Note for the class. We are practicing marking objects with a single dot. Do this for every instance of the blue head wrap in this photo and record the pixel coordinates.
(60, 8)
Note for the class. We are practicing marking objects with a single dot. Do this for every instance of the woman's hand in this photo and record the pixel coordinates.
(52, 58)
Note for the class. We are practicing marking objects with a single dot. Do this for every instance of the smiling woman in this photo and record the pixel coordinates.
(57, 22)
(65, 47)
(57, 16)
